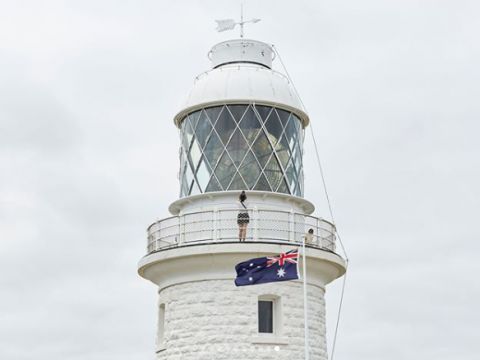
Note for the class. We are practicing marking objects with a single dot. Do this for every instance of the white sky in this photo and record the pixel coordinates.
(88, 159)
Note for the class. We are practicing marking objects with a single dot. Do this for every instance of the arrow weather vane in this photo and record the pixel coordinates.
(229, 24)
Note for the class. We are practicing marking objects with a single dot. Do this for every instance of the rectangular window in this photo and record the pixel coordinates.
(265, 316)
(161, 326)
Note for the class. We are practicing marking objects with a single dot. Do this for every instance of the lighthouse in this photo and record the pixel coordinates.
(241, 129)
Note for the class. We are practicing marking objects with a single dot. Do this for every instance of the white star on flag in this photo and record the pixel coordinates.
(281, 273)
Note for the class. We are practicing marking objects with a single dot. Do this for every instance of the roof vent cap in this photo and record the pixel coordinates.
(242, 51)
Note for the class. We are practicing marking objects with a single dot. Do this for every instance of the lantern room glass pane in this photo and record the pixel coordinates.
(274, 127)
(213, 185)
(194, 118)
(237, 147)
(213, 113)
(250, 125)
(262, 149)
(203, 174)
(263, 185)
(273, 172)
(195, 154)
(237, 111)
(283, 116)
(297, 157)
(283, 188)
(225, 170)
(213, 149)
(237, 183)
(241, 147)
(250, 170)
(225, 126)
(189, 132)
(263, 111)
(203, 129)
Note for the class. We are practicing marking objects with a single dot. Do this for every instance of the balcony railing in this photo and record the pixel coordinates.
(218, 226)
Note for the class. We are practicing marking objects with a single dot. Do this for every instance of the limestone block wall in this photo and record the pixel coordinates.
(215, 320)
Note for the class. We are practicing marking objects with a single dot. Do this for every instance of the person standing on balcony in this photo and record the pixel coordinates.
(242, 218)
(309, 237)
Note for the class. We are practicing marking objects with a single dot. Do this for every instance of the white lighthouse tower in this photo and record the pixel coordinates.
(241, 128)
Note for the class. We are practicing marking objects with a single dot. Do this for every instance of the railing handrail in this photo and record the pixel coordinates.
(237, 209)
(187, 228)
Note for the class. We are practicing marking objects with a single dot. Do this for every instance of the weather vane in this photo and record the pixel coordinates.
(229, 24)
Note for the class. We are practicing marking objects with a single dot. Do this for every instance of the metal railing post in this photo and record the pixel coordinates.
(291, 220)
(255, 223)
(182, 229)
(319, 238)
(215, 227)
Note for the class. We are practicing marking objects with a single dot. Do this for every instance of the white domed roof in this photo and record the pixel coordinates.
(238, 80)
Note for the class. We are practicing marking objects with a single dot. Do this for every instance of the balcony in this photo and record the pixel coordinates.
(220, 226)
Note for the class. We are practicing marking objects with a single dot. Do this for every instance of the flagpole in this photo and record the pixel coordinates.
(305, 308)
(241, 20)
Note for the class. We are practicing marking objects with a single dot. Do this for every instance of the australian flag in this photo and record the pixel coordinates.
(268, 269)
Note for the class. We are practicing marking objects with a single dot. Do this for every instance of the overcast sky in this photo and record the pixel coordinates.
(88, 159)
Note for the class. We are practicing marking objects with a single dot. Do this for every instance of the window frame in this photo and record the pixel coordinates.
(276, 315)
(161, 327)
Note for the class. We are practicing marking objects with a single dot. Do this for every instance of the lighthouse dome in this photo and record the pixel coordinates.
(241, 73)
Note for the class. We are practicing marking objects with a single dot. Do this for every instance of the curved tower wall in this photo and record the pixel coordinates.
(191, 308)
(241, 128)
(207, 317)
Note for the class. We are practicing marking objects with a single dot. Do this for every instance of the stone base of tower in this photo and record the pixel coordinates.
(203, 315)
(214, 319)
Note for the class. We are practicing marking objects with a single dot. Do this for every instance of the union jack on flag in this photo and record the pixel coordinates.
(268, 269)
(290, 257)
